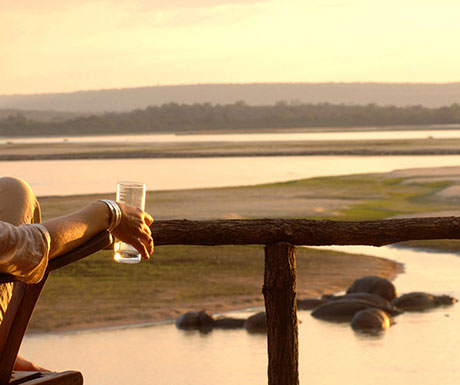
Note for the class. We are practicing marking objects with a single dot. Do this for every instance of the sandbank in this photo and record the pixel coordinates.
(56, 151)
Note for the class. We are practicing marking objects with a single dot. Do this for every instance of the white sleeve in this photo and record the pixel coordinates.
(24, 251)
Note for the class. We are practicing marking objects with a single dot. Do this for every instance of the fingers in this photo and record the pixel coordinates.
(134, 229)
(147, 230)
(147, 240)
(143, 241)
(140, 247)
(148, 219)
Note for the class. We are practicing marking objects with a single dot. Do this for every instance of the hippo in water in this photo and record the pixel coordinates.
(313, 303)
(419, 301)
(343, 310)
(203, 321)
(377, 300)
(371, 320)
(229, 323)
(310, 303)
(374, 285)
(195, 320)
(256, 323)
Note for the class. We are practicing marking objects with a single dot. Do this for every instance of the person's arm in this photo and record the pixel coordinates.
(25, 249)
(71, 231)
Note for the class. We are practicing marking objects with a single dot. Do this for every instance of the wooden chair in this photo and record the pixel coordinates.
(18, 314)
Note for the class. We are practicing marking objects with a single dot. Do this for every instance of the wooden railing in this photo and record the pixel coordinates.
(280, 237)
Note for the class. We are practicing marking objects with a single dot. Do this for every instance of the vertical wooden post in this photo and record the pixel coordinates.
(281, 308)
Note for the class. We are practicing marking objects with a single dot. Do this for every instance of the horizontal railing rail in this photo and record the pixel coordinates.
(304, 232)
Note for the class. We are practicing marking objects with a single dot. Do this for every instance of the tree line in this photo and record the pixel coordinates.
(183, 118)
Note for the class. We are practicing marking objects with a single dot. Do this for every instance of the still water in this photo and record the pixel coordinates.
(68, 177)
(421, 348)
(363, 133)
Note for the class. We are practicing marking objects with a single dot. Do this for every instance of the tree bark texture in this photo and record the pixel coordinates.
(303, 231)
(281, 309)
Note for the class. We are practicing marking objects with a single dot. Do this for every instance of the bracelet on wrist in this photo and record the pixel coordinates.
(115, 214)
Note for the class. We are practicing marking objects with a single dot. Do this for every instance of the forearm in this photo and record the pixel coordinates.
(71, 231)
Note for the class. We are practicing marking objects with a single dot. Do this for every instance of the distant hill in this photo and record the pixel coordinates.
(127, 99)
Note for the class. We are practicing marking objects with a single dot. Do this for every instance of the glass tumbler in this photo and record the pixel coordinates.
(133, 194)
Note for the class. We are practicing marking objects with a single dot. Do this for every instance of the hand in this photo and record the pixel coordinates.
(134, 229)
(21, 364)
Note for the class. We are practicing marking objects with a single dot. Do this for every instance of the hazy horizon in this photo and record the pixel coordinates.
(60, 46)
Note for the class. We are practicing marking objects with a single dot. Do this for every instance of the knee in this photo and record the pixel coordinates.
(16, 188)
(18, 203)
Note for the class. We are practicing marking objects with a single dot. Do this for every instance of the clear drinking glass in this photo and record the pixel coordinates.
(133, 194)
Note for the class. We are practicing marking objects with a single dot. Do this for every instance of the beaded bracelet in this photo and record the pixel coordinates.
(116, 214)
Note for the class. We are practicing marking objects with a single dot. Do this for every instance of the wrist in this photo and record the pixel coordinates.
(115, 214)
(103, 214)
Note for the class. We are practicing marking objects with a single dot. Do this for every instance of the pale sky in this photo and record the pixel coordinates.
(70, 45)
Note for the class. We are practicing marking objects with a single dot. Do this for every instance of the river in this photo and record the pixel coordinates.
(421, 348)
(353, 133)
(69, 177)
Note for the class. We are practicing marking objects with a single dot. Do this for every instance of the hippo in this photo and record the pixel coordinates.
(377, 300)
(419, 301)
(371, 320)
(344, 309)
(229, 323)
(310, 303)
(195, 320)
(257, 323)
(203, 321)
(375, 285)
(313, 303)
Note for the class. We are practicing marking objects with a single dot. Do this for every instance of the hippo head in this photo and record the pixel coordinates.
(195, 320)
(371, 320)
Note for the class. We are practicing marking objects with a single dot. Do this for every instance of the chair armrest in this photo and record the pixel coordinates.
(98, 242)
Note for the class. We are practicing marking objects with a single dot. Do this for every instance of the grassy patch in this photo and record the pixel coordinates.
(381, 198)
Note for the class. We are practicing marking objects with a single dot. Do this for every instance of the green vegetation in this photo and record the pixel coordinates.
(372, 197)
(173, 117)
(386, 198)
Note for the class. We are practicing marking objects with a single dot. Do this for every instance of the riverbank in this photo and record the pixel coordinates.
(97, 292)
(71, 151)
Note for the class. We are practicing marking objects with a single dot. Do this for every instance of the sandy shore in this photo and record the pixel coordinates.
(44, 151)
